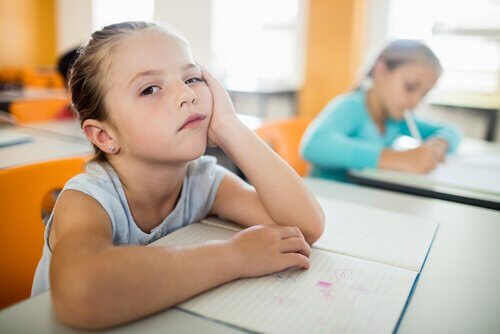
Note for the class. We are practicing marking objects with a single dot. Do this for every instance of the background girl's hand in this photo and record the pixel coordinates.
(422, 159)
(223, 113)
(438, 147)
(264, 249)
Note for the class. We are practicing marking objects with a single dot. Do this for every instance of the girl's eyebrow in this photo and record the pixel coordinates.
(159, 72)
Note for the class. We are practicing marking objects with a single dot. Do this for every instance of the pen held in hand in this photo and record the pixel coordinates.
(410, 122)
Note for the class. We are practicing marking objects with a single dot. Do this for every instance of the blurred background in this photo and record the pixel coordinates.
(280, 58)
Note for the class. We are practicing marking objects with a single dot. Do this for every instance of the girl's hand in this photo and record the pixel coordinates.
(223, 113)
(438, 146)
(422, 159)
(264, 249)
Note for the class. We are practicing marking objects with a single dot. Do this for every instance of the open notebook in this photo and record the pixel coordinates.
(471, 172)
(363, 270)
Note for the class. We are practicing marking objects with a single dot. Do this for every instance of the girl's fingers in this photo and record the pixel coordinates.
(296, 260)
(295, 245)
(290, 232)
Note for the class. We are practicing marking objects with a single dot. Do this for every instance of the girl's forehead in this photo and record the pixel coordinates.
(145, 51)
(154, 44)
(149, 50)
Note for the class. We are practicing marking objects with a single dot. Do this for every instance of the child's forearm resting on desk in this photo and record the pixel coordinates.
(96, 284)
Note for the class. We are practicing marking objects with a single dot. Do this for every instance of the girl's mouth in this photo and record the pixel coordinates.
(192, 121)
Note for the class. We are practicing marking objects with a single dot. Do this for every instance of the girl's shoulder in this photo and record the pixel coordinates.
(95, 174)
(346, 108)
(354, 100)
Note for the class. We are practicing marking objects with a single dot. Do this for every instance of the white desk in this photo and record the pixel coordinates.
(423, 185)
(64, 129)
(42, 147)
(458, 290)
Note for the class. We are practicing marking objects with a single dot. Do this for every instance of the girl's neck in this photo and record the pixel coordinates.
(152, 190)
(376, 108)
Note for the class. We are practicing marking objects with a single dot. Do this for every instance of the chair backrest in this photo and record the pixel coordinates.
(26, 111)
(284, 137)
(22, 190)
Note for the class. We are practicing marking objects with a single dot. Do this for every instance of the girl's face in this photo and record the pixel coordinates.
(158, 104)
(404, 87)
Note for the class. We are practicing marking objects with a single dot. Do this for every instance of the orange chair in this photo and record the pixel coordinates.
(284, 137)
(22, 191)
(26, 111)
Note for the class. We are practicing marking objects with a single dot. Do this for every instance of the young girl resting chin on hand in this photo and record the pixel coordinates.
(150, 110)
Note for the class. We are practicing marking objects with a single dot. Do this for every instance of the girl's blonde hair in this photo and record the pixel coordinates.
(88, 74)
(404, 51)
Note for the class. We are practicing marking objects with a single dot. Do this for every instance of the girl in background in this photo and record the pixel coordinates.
(356, 130)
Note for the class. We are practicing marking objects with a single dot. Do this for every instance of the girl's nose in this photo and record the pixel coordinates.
(186, 95)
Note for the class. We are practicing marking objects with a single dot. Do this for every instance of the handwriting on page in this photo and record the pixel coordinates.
(337, 294)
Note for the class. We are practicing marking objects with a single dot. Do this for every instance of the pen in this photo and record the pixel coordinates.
(410, 122)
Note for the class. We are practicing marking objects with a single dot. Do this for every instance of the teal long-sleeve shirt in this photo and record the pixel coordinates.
(344, 136)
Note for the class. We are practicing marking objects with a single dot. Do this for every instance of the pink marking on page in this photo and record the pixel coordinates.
(323, 284)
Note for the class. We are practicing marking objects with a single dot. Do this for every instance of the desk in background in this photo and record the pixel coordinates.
(488, 104)
(264, 94)
(423, 185)
(42, 146)
(9, 96)
(457, 292)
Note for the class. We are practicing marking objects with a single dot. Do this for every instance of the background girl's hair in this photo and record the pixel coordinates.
(404, 51)
(87, 78)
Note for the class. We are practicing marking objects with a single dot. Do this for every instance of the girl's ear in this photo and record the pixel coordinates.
(101, 135)
(380, 69)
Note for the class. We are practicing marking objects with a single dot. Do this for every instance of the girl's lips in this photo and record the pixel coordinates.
(192, 121)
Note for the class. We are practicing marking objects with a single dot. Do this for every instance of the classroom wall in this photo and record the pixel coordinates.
(73, 22)
(194, 25)
(27, 32)
(336, 31)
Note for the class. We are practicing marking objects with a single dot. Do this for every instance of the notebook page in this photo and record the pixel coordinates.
(338, 294)
(194, 234)
(471, 172)
(376, 235)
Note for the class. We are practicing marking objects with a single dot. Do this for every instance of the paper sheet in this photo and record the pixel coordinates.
(472, 172)
(338, 294)
(374, 234)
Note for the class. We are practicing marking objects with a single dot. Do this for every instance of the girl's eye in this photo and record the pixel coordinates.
(193, 80)
(150, 90)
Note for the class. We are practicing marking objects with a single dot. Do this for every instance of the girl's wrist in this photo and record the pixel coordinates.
(226, 134)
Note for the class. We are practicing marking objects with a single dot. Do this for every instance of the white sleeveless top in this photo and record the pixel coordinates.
(102, 183)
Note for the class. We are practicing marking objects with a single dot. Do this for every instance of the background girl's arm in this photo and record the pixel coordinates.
(97, 285)
(433, 131)
(439, 139)
(280, 196)
(329, 141)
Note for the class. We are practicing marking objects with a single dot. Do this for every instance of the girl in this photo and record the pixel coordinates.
(356, 130)
(149, 110)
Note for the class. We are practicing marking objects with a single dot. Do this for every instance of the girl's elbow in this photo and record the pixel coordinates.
(316, 228)
(77, 305)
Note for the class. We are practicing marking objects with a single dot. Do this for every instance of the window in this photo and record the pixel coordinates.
(105, 12)
(256, 44)
(465, 35)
